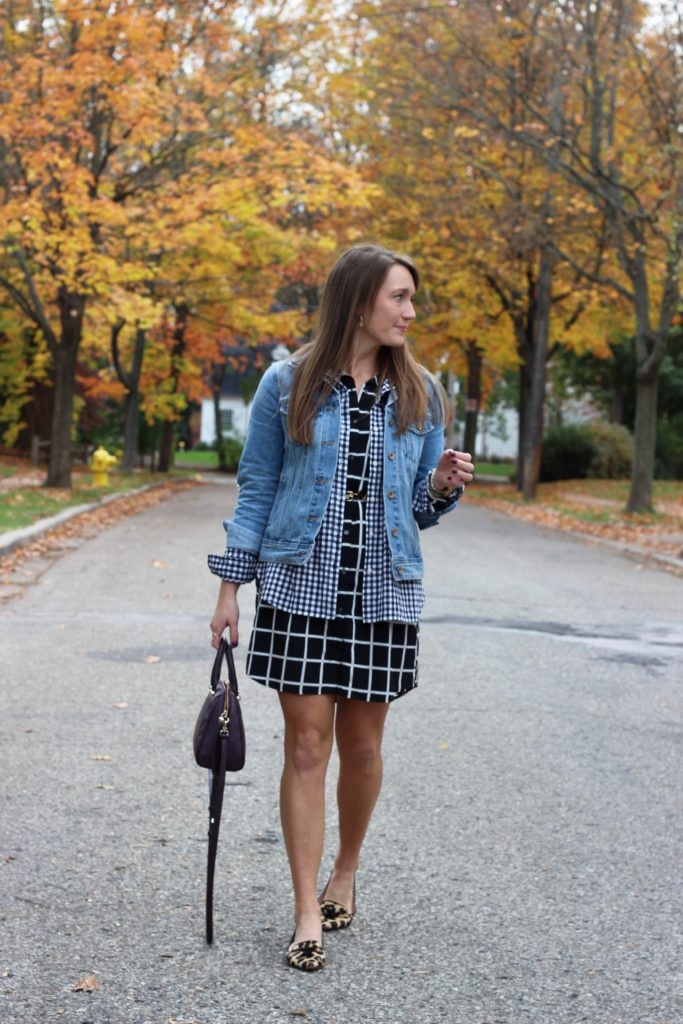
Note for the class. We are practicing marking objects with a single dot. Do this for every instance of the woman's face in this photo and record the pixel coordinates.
(386, 322)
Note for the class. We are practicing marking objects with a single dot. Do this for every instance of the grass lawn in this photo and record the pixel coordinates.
(194, 458)
(598, 502)
(594, 490)
(493, 468)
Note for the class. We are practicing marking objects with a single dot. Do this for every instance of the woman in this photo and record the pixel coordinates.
(343, 463)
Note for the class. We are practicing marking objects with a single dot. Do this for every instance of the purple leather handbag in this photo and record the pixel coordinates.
(219, 745)
(219, 723)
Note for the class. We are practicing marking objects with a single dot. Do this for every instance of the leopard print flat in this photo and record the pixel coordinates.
(306, 956)
(335, 915)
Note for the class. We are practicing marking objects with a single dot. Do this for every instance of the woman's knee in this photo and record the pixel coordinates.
(359, 731)
(307, 749)
(362, 756)
(308, 732)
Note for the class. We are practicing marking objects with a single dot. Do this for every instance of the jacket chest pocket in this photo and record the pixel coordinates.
(413, 442)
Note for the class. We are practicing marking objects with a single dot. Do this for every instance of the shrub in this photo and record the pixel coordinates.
(612, 450)
(567, 453)
(596, 449)
(669, 455)
(232, 448)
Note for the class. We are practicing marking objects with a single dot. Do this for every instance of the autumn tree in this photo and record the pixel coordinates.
(478, 210)
(625, 151)
(148, 152)
(610, 121)
(99, 111)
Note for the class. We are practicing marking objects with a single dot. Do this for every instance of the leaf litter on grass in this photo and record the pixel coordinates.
(596, 508)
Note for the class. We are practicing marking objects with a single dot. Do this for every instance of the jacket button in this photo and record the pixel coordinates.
(400, 570)
(392, 455)
(394, 532)
(391, 494)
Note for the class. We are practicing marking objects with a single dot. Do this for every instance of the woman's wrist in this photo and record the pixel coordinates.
(434, 490)
(228, 590)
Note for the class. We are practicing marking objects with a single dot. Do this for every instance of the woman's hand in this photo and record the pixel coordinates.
(226, 615)
(454, 469)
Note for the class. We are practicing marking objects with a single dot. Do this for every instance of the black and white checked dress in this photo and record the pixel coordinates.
(342, 656)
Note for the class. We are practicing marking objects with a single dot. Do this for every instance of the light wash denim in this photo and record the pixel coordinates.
(284, 486)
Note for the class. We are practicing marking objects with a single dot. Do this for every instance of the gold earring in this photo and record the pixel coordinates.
(361, 321)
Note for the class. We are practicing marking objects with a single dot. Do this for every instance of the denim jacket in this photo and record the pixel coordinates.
(284, 486)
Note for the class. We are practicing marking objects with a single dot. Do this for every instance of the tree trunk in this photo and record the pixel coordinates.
(131, 429)
(166, 446)
(473, 397)
(524, 336)
(450, 410)
(182, 313)
(65, 357)
(521, 424)
(131, 381)
(645, 433)
(534, 425)
(217, 385)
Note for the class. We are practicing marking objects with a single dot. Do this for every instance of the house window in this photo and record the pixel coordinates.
(227, 420)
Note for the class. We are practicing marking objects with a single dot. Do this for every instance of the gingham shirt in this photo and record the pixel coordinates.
(311, 589)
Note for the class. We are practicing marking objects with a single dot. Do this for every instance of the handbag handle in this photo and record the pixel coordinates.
(224, 651)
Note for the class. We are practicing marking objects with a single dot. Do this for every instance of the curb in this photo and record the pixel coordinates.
(15, 539)
(632, 551)
(488, 481)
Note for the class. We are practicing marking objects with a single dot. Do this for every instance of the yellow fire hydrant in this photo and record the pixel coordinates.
(100, 464)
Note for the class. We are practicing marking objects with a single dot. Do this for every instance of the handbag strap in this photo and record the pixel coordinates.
(215, 808)
(218, 781)
(224, 651)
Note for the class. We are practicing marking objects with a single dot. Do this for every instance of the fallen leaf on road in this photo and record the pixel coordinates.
(156, 564)
(100, 757)
(298, 1013)
(122, 704)
(151, 659)
(87, 984)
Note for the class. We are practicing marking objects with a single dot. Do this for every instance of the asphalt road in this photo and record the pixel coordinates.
(524, 864)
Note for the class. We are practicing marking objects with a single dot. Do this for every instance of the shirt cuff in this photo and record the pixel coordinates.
(235, 566)
(422, 502)
(441, 504)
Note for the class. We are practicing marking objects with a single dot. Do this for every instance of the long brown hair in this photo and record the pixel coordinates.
(349, 291)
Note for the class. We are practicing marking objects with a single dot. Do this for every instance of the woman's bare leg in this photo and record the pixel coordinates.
(359, 728)
(309, 726)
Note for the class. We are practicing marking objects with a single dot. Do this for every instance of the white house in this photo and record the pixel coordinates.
(234, 414)
(234, 411)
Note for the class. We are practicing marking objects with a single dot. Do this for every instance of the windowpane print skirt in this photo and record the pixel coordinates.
(344, 656)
